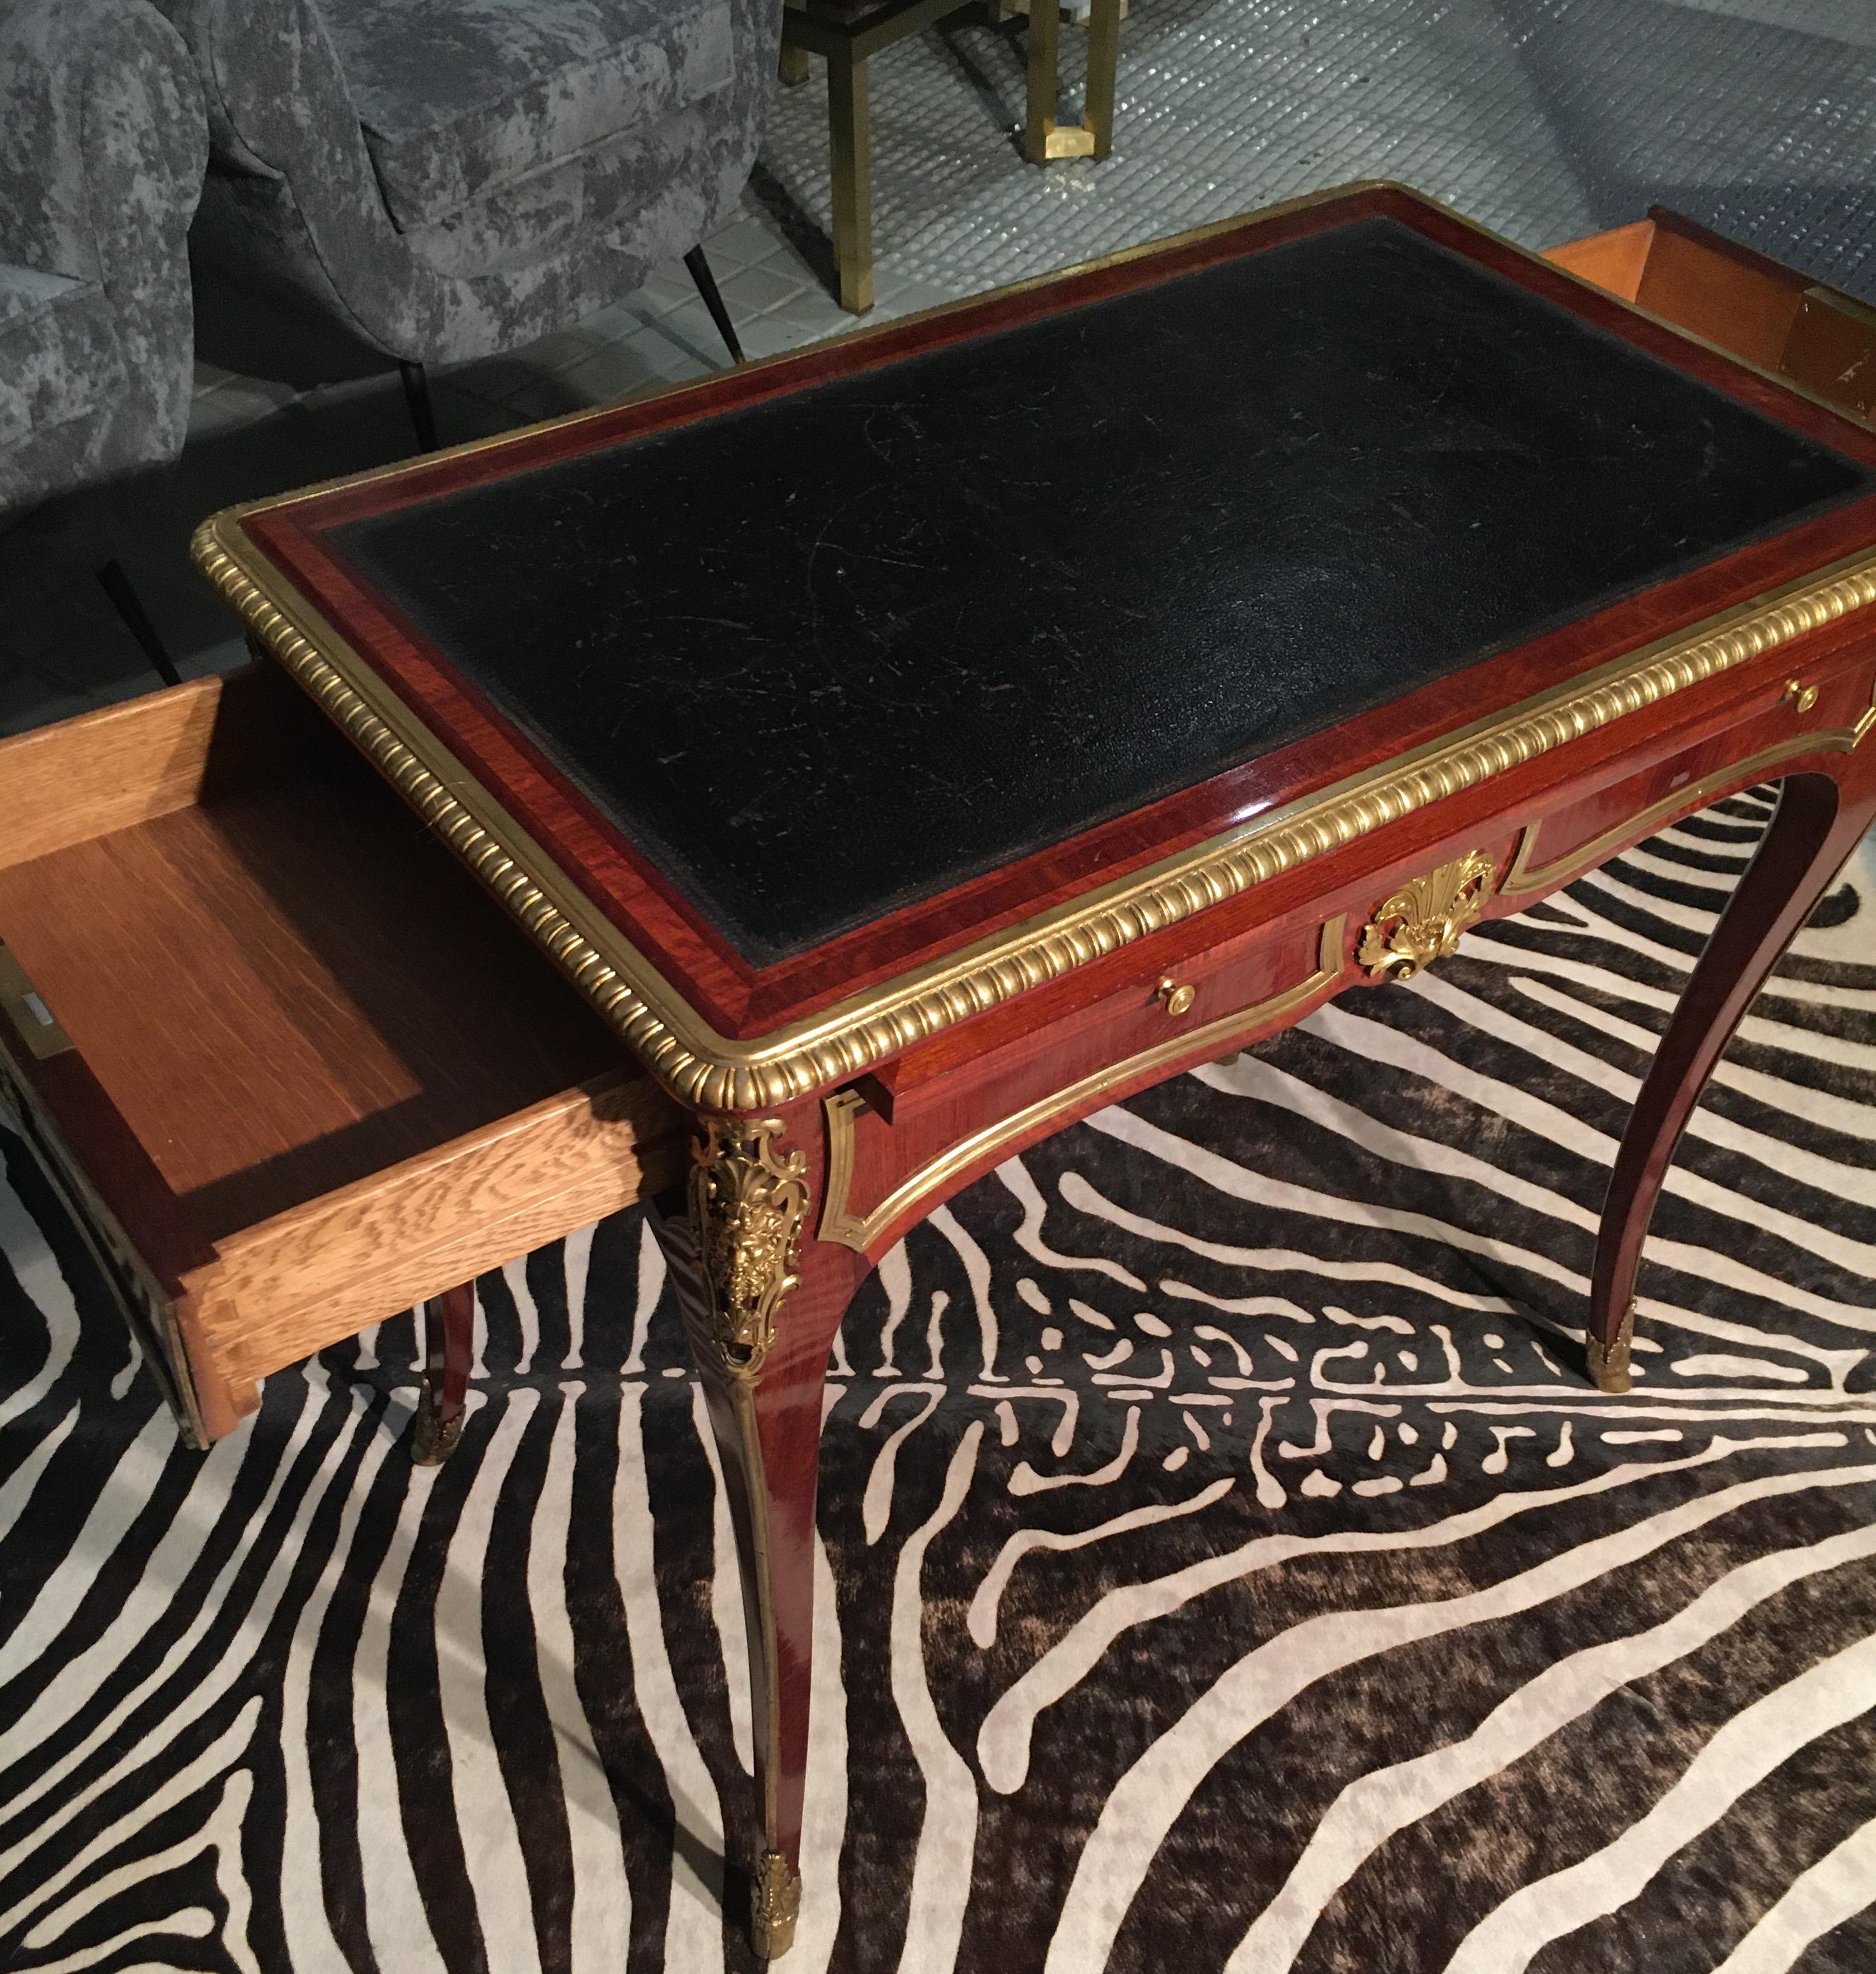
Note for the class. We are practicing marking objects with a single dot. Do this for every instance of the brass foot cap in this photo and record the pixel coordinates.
(1609, 1363)
(433, 1440)
(1613, 1378)
(775, 1905)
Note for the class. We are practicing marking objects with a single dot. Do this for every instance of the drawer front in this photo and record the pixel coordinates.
(1578, 835)
(145, 1306)
(886, 1169)
(900, 1141)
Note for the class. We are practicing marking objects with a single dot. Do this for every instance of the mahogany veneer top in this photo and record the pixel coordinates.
(817, 671)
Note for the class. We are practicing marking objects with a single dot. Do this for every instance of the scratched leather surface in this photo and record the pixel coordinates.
(822, 657)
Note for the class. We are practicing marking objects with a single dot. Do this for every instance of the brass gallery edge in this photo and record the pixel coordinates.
(720, 1073)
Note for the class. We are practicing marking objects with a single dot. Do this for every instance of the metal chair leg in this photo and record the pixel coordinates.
(852, 144)
(417, 396)
(712, 300)
(129, 605)
(1104, 58)
(1043, 137)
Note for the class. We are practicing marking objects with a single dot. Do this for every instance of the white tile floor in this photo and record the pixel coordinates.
(1545, 118)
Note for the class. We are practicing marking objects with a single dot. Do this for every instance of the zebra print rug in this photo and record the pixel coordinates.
(1224, 1564)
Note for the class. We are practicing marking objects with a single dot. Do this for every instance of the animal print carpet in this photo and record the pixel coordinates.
(1224, 1564)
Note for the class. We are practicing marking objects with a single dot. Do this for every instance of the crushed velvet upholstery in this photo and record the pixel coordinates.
(458, 96)
(102, 147)
(445, 179)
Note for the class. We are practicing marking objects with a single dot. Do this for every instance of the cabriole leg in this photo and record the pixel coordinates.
(1816, 826)
(762, 1301)
(449, 1344)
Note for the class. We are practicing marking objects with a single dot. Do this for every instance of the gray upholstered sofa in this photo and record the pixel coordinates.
(102, 152)
(445, 179)
(102, 146)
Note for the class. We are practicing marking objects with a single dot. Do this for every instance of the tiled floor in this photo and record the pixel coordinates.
(1544, 118)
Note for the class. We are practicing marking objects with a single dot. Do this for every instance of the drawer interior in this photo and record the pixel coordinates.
(1823, 340)
(282, 981)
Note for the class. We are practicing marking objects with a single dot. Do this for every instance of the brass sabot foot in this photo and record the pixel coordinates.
(1609, 1367)
(432, 1440)
(775, 1905)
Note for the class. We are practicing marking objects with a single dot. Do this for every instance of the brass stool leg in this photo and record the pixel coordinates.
(1043, 137)
(1103, 56)
(852, 143)
(1045, 39)
(794, 65)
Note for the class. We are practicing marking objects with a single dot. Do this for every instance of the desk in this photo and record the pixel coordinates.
(907, 747)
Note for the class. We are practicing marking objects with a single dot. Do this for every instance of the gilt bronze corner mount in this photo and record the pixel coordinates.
(748, 1200)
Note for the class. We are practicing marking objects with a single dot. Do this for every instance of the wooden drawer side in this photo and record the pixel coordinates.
(278, 1292)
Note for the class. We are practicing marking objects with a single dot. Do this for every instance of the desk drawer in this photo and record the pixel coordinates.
(900, 1141)
(952, 1105)
(293, 1069)
(1822, 340)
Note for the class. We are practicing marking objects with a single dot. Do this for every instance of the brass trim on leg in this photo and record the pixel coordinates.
(433, 1439)
(859, 1231)
(1608, 1368)
(775, 1905)
(1043, 139)
(747, 1201)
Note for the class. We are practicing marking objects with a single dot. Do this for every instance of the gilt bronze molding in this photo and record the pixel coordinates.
(701, 1067)
(840, 1221)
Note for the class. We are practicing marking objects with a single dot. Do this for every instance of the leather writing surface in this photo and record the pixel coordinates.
(824, 656)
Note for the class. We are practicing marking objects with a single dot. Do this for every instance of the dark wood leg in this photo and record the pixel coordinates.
(699, 272)
(1816, 826)
(449, 1345)
(117, 584)
(417, 400)
(761, 1300)
(794, 66)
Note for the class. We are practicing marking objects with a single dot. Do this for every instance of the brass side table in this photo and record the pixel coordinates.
(849, 33)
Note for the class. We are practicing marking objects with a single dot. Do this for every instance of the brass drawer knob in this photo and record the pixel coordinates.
(1801, 696)
(1178, 998)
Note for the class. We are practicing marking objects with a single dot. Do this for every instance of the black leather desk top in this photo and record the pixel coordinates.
(832, 654)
